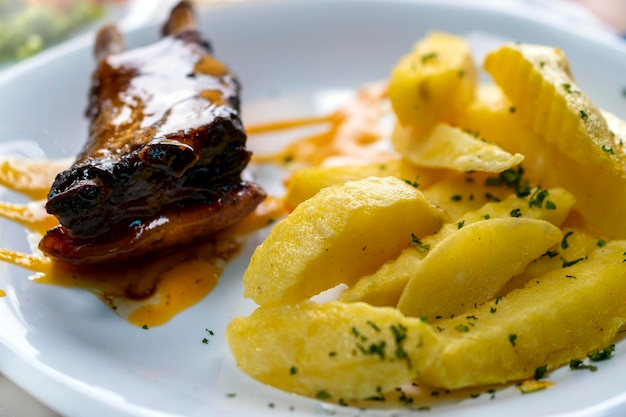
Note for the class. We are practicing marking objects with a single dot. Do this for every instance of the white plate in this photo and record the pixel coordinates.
(75, 355)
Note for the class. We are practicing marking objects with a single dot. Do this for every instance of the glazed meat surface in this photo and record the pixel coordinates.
(165, 135)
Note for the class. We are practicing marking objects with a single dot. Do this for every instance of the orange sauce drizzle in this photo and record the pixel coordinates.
(346, 138)
(151, 292)
(147, 293)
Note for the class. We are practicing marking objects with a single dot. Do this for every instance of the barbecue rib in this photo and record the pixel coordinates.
(166, 148)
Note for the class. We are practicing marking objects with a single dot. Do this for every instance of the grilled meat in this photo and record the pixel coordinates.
(166, 146)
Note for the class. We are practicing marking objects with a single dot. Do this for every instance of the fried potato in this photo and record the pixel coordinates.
(471, 266)
(538, 81)
(576, 244)
(449, 147)
(306, 182)
(433, 81)
(600, 192)
(337, 236)
(461, 271)
(564, 315)
(384, 287)
(332, 351)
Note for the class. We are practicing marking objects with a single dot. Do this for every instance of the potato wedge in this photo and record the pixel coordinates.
(433, 81)
(576, 244)
(449, 147)
(342, 233)
(471, 266)
(332, 351)
(538, 81)
(385, 286)
(569, 313)
(600, 192)
(306, 182)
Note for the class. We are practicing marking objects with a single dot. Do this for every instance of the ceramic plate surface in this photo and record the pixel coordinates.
(293, 58)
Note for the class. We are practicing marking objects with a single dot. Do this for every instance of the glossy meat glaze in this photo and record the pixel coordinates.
(165, 137)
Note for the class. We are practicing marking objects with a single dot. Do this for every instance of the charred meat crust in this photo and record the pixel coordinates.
(173, 226)
(165, 135)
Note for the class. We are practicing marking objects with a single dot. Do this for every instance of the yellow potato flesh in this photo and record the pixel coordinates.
(538, 82)
(576, 244)
(600, 192)
(384, 287)
(559, 303)
(306, 182)
(433, 81)
(449, 147)
(332, 351)
(567, 314)
(342, 233)
(472, 265)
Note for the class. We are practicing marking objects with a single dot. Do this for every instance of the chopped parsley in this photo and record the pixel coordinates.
(461, 328)
(564, 243)
(428, 57)
(540, 372)
(584, 116)
(568, 88)
(491, 197)
(460, 224)
(576, 364)
(399, 333)
(607, 149)
(537, 197)
(293, 370)
(419, 245)
(603, 354)
(517, 212)
(566, 263)
(373, 325)
(413, 184)
(323, 395)
(551, 254)
(512, 339)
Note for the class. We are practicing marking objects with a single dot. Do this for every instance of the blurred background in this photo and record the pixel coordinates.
(28, 27)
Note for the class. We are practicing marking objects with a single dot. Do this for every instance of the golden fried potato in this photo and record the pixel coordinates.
(471, 266)
(433, 81)
(600, 192)
(563, 315)
(384, 287)
(340, 234)
(332, 351)
(538, 81)
(449, 147)
(306, 182)
(577, 243)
